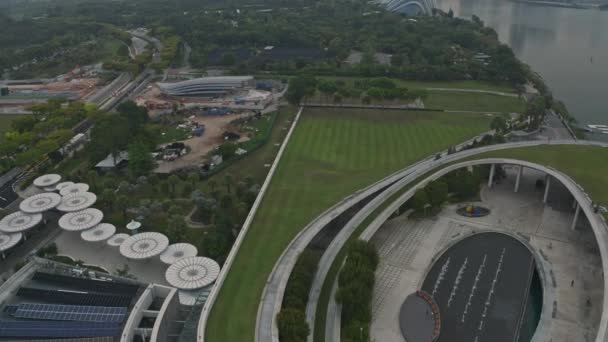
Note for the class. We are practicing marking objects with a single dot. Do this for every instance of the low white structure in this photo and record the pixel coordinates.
(117, 239)
(192, 273)
(81, 220)
(62, 185)
(133, 226)
(144, 245)
(8, 241)
(40, 203)
(19, 222)
(77, 201)
(47, 180)
(100, 232)
(74, 188)
(178, 251)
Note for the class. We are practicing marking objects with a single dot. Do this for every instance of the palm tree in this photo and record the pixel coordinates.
(228, 181)
(173, 181)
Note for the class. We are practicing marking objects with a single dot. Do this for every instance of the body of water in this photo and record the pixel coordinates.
(568, 47)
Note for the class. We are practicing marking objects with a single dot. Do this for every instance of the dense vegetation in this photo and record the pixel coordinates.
(355, 289)
(34, 137)
(312, 37)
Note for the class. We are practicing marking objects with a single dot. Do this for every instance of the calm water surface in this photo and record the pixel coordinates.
(568, 47)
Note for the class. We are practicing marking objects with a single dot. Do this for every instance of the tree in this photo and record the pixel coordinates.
(193, 177)
(499, 124)
(327, 87)
(110, 135)
(437, 191)
(135, 116)
(292, 325)
(419, 200)
(227, 150)
(108, 198)
(228, 181)
(299, 88)
(173, 181)
(140, 159)
(177, 229)
(122, 202)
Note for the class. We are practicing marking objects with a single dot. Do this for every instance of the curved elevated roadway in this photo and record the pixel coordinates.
(270, 304)
(597, 222)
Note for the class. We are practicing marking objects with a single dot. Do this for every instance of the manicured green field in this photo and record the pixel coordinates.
(332, 153)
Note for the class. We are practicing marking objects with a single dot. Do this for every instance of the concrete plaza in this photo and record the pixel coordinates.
(407, 248)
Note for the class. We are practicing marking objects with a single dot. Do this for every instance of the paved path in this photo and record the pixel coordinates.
(480, 91)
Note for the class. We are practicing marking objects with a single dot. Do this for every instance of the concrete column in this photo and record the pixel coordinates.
(491, 179)
(547, 186)
(574, 202)
(576, 213)
(470, 168)
(518, 177)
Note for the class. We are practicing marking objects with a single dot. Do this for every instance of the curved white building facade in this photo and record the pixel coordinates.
(207, 86)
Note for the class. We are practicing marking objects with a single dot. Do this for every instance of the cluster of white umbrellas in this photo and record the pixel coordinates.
(186, 270)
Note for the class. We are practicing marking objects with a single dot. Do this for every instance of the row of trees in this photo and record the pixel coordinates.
(291, 320)
(356, 285)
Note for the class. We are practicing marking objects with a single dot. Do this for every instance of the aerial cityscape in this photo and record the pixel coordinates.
(303, 171)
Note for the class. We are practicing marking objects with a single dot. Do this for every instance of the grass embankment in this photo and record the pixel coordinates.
(586, 165)
(456, 100)
(332, 154)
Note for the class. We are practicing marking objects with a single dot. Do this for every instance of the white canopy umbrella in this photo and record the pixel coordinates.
(192, 273)
(77, 201)
(62, 185)
(144, 245)
(40, 202)
(19, 222)
(100, 232)
(81, 220)
(117, 239)
(47, 180)
(177, 251)
(74, 188)
(49, 188)
(8, 241)
(133, 226)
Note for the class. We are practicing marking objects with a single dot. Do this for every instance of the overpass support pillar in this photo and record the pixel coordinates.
(547, 186)
(576, 213)
(470, 168)
(491, 179)
(518, 178)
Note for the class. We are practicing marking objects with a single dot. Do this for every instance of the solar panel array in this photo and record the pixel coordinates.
(86, 284)
(71, 313)
(51, 329)
(75, 298)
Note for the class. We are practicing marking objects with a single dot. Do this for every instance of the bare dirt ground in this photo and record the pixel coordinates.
(215, 126)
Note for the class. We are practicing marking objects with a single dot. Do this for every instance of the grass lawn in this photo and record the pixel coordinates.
(473, 101)
(587, 165)
(5, 122)
(332, 153)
